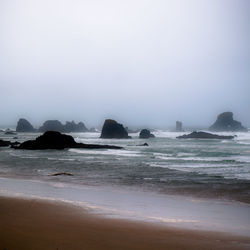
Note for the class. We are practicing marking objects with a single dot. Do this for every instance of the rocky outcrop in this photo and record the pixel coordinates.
(4, 143)
(24, 126)
(74, 127)
(56, 140)
(55, 125)
(112, 129)
(225, 122)
(204, 135)
(145, 134)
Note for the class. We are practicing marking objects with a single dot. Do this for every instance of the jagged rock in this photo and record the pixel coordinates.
(74, 127)
(225, 122)
(56, 140)
(55, 125)
(112, 129)
(52, 125)
(204, 135)
(145, 134)
(24, 126)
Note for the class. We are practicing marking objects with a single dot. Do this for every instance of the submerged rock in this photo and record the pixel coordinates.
(145, 134)
(112, 129)
(24, 126)
(61, 173)
(56, 140)
(225, 122)
(204, 135)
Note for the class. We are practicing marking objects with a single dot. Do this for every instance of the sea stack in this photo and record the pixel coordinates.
(145, 134)
(112, 129)
(225, 122)
(24, 126)
(55, 125)
(178, 127)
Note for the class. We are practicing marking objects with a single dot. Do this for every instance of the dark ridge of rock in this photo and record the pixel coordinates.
(225, 122)
(142, 145)
(24, 126)
(204, 135)
(61, 173)
(112, 129)
(4, 143)
(8, 143)
(145, 134)
(56, 140)
(55, 125)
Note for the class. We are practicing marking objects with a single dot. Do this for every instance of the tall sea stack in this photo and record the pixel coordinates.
(112, 129)
(225, 122)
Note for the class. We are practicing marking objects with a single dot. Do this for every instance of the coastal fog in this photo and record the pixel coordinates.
(141, 62)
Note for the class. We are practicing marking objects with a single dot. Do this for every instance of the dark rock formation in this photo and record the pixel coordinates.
(61, 173)
(142, 145)
(4, 143)
(204, 135)
(145, 134)
(112, 129)
(55, 125)
(74, 127)
(24, 126)
(8, 143)
(56, 140)
(225, 122)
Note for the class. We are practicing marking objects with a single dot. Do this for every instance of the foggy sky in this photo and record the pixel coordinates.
(142, 62)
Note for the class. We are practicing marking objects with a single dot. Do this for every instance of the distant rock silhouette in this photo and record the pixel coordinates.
(225, 122)
(74, 127)
(145, 134)
(56, 140)
(112, 129)
(24, 126)
(204, 135)
(55, 125)
(178, 127)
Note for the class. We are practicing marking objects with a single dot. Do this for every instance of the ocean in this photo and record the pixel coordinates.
(218, 169)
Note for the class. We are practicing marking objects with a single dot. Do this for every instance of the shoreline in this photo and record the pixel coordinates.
(178, 212)
(40, 224)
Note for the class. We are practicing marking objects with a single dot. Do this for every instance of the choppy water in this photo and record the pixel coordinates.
(207, 168)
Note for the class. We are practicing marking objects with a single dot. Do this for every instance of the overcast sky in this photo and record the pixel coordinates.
(142, 62)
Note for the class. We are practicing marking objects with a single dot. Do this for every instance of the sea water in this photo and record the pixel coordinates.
(217, 169)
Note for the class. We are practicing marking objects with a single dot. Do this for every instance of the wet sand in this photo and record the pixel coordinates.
(38, 224)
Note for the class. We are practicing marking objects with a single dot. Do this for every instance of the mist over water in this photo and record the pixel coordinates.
(140, 62)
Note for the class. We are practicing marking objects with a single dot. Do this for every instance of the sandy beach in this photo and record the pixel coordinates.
(38, 224)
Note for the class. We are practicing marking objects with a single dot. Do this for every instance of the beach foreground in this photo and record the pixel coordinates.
(38, 224)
